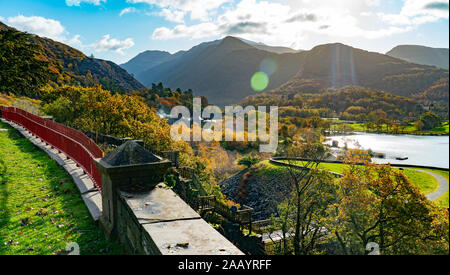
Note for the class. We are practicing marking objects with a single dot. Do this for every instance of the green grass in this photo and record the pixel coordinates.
(443, 200)
(409, 129)
(426, 182)
(41, 209)
(332, 167)
(265, 168)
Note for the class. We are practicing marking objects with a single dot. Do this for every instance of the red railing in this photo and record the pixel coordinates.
(71, 142)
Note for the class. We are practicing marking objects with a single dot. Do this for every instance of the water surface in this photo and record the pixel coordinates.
(420, 150)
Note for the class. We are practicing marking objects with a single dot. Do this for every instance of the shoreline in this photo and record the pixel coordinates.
(386, 133)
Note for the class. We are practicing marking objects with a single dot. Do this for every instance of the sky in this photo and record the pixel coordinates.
(118, 30)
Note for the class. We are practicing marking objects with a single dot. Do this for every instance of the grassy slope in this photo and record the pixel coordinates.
(426, 182)
(41, 209)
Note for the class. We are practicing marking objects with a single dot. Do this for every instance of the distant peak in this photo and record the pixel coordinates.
(231, 41)
(333, 46)
(231, 38)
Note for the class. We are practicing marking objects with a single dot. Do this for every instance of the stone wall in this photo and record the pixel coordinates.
(160, 223)
(152, 220)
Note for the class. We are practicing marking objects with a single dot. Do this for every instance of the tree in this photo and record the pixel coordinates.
(430, 121)
(248, 161)
(23, 71)
(379, 204)
(301, 217)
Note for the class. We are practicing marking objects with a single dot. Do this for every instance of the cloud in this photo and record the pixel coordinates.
(437, 6)
(196, 31)
(75, 40)
(44, 27)
(437, 9)
(198, 9)
(289, 22)
(250, 19)
(245, 27)
(38, 25)
(127, 10)
(417, 12)
(111, 44)
(78, 2)
(172, 15)
(302, 17)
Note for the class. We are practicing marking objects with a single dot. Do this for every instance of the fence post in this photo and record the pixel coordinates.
(129, 168)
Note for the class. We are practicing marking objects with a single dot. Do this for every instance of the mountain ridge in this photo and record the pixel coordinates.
(438, 57)
(71, 66)
(221, 70)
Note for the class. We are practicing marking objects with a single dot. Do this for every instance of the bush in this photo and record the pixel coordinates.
(248, 161)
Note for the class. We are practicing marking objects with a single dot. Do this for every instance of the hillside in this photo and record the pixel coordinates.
(262, 187)
(71, 66)
(221, 70)
(349, 103)
(338, 65)
(437, 57)
(150, 59)
(146, 60)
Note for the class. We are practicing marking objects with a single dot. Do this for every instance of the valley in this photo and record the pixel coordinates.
(338, 107)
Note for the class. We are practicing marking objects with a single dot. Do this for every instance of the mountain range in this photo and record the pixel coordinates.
(70, 66)
(221, 70)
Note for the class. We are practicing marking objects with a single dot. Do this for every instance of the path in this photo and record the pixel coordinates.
(443, 185)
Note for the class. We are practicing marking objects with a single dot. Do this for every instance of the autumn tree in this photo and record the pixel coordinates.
(379, 204)
(429, 121)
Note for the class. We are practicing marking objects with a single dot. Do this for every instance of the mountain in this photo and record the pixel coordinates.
(274, 49)
(70, 66)
(221, 70)
(146, 60)
(421, 55)
(150, 59)
(337, 65)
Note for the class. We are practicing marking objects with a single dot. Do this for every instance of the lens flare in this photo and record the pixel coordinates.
(269, 66)
(259, 81)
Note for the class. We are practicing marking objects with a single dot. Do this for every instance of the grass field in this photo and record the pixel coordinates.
(41, 209)
(426, 182)
(443, 200)
(410, 129)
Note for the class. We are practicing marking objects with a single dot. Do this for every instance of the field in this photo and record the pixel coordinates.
(426, 182)
(41, 210)
(410, 129)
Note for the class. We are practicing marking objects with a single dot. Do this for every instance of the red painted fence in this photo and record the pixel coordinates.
(71, 142)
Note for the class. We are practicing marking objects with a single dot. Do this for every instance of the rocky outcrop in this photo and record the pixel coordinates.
(264, 191)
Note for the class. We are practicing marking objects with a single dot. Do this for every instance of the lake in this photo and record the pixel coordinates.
(420, 150)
